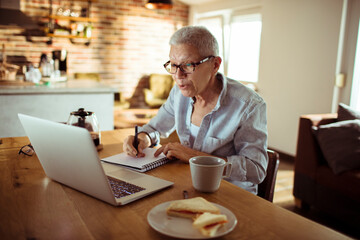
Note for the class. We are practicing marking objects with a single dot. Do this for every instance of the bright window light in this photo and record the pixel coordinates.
(215, 26)
(245, 34)
(238, 34)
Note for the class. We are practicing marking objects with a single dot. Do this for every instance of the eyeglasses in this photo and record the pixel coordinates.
(186, 68)
(28, 150)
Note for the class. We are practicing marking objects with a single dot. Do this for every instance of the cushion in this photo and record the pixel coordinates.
(340, 144)
(347, 113)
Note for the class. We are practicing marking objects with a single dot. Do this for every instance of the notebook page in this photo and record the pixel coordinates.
(134, 162)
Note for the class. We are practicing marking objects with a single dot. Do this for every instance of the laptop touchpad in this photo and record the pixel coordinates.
(120, 172)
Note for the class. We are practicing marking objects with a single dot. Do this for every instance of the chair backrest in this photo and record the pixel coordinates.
(266, 188)
(87, 76)
(160, 85)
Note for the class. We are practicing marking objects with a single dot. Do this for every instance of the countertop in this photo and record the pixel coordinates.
(70, 86)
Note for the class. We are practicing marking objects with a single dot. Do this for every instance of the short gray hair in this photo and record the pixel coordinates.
(197, 36)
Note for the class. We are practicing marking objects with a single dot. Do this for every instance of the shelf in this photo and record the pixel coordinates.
(93, 1)
(68, 36)
(72, 28)
(76, 19)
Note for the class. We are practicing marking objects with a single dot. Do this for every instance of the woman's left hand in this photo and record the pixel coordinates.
(178, 151)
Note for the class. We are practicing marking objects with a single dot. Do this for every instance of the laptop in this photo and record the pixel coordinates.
(68, 155)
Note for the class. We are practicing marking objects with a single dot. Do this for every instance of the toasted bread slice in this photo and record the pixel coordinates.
(210, 231)
(190, 208)
(209, 223)
(207, 219)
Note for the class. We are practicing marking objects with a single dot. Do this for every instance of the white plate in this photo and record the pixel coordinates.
(182, 227)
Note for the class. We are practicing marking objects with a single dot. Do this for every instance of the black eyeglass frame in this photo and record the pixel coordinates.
(180, 65)
(27, 152)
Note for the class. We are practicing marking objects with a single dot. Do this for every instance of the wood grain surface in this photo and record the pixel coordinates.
(32, 206)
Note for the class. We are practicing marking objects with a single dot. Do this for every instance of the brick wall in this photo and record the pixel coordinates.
(130, 40)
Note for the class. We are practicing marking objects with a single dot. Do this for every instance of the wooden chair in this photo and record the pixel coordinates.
(266, 188)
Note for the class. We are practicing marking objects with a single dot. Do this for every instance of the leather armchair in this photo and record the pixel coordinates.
(315, 184)
(160, 86)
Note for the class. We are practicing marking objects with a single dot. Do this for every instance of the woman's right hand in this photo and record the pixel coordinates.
(144, 142)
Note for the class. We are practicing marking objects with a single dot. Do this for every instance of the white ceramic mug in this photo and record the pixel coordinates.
(207, 172)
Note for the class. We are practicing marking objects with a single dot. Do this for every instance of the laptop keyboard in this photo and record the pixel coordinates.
(122, 189)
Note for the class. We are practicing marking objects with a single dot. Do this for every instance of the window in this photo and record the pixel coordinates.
(238, 34)
(214, 25)
(243, 63)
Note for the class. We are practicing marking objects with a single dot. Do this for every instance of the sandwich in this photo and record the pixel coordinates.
(190, 208)
(209, 223)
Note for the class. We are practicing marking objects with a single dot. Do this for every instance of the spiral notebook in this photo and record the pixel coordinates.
(142, 164)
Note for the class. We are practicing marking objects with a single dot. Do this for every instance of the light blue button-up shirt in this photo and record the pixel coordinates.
(235, 129)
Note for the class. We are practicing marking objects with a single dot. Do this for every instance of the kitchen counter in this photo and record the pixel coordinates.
(72, 86)
(54, 102)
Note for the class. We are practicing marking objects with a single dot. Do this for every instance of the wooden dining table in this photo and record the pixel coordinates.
(32, 206)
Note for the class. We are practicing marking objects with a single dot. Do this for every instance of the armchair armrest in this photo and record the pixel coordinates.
(308, 154)
(320, 119)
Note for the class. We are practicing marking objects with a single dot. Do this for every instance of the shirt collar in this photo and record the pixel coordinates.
(222, 95)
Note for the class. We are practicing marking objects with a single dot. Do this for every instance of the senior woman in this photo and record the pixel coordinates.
(212, 115)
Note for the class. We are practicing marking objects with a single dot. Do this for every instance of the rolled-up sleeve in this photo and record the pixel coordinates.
(163, 124)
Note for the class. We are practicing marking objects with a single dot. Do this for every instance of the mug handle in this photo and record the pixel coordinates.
(228, 168)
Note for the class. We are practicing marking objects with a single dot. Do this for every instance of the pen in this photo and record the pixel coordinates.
(136, 142)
